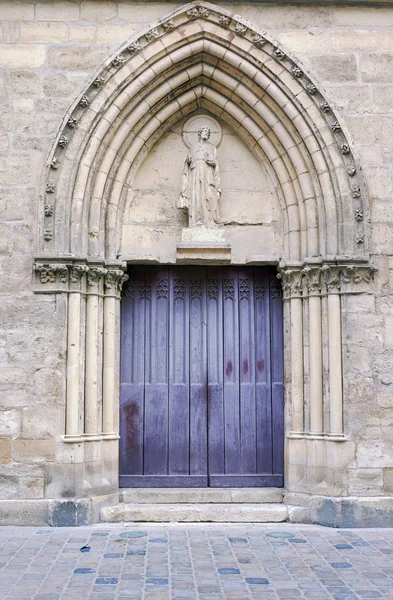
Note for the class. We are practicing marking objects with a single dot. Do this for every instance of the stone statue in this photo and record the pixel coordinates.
(200, 186)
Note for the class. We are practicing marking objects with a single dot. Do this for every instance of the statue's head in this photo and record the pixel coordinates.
(204, 133)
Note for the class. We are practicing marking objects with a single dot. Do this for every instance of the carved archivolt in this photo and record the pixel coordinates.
(204, 56)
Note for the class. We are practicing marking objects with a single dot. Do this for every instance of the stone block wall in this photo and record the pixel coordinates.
(48, 51)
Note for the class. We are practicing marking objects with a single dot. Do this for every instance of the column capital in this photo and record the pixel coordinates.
(292, 282)
(114, 280)
(95, 276)
(312, 280)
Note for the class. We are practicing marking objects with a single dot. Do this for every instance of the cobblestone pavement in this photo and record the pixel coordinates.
(195, 561)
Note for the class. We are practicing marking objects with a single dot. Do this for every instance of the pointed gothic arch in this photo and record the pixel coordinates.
(204, 57)
(201, 56)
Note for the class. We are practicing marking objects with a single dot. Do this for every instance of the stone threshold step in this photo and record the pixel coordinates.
(201, 495)
(195, 513)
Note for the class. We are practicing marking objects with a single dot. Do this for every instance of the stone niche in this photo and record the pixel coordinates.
(250, 212)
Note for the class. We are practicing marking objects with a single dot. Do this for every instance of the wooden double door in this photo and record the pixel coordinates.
(201, 378)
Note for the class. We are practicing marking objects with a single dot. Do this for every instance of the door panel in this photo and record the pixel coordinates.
(201, 378)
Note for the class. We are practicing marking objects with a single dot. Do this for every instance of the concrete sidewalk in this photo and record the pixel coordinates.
(195, 561)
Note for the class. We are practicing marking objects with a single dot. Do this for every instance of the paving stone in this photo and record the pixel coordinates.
(181, 562)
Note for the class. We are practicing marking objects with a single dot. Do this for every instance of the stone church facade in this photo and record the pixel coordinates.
(99, 102)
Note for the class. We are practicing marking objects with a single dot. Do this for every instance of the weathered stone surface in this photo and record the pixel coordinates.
(203, 496)
(368, 16)
(217, 513)
(33, 450)
(347, 40)
(21, 57)
(76, 58)
(15, 170)
(31, 512)
(9, 487)
(17, 11)
(98, 11)
(44, 32)
(31, 487)
(376, 69)
(5, 451)
(25, 83)
(9, 423)
(337, 68)
(53, 11)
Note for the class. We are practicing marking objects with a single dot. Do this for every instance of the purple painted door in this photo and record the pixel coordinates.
(201, 400)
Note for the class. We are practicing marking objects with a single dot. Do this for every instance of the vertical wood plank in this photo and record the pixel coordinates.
(156, 371)
(198, 371)
(215, 370)
(248, 435)
(231, 371)
(277, 372)
(132, 377)
(179, 416)
(263, 371)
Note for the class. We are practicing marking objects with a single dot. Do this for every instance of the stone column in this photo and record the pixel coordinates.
(313, 275)
(114, 279)
(332, 278)
(93, 425)
(73, 416)
(292, 283)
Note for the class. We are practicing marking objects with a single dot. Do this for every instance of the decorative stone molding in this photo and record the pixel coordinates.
(119, 61)
(136, 46)
(55, 163)
(99, 81)
(51, 273)
(168, 25)
(48, 210)
(73, 272)
(63, 141)
(297, 72)
(259, 41)
(326, 278)
(152, 34)
(224, 21)
(84, 101)
(198, 11)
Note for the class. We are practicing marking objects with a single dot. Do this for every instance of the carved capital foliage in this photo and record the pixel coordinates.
(331, 276)
(328, 278)
(292, 282)
(95, 275)
(312, 280)
(51, 273)
(77, 272)
(70, 277)
(114, 279)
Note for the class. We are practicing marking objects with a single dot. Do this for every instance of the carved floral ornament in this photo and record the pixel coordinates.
(62, 273)
(328, 278)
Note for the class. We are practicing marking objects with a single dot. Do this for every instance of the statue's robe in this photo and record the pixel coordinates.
(200, 186)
